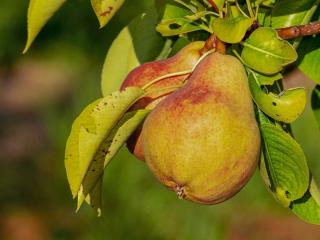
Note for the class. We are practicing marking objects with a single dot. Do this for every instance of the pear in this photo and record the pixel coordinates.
(203, 141)
(184, 60)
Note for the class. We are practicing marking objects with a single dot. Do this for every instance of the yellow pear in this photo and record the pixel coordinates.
(202, 141)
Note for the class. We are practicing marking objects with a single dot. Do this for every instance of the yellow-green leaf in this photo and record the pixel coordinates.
(265, 52)
(137, 43)
(232, 29)
(107, 150)
(39, 12)
(285, 107)
(284, 162)
(219, 4)
(177, 26)
(120, 60)
(90, 129)
(308, 207)
(106, 9)
(94, 198)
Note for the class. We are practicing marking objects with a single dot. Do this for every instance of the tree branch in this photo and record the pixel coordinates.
(299, 31)
(285, 33)
(214, 5)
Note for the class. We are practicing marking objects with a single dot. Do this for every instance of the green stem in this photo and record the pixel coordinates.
(165, 50)
(158, 79)
(240, 9)
(171, 88)
(250, 8)
(175, 74)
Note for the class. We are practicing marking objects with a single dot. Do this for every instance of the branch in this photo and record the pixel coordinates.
(214, 5)
(299, 31)
(285, 33)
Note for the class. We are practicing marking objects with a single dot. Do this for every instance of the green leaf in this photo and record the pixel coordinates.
(219, 4)
(39, 13)
(193, 5)
(267, 79)
(288, 13)
(136, 44)
(94, 198)
(90, 129)
(232, 30)
(72, 162)
(309, 50)
(285, 107)
(177, 26)
(107, 150)
(168, 9)
(308, 207)
(268, 3)
(178, 45)
(285, 163)
(264, 52)
(177, 20)
(315, 103)
(106, 9)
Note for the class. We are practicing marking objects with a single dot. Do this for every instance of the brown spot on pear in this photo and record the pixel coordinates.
(203, 141)
(184, 60)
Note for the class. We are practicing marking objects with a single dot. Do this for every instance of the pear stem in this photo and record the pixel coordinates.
(179, 191)
(175, 74)
(171, 88)
(213, 42)
(158, 79)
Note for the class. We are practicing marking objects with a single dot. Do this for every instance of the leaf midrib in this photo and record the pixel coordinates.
(266, 52)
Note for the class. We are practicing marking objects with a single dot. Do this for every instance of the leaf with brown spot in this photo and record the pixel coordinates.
(90, 189)
(106, 9)
(91, 128)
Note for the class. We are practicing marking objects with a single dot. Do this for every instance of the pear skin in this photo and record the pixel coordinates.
(185, 59)
(203, 141)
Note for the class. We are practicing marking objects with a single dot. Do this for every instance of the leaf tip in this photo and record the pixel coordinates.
(28, 44)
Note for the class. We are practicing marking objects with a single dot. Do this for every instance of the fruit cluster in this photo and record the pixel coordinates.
(198, 139)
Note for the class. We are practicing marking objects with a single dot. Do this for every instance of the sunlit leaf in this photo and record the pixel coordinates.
(308, 207)
(136, 44)
(285, 107)
(177, 26)
(264, 52)
(263, 79)
(219, 3)
(177, 20)
(106, 9)
(285, 163)
(89, 131)
(288, 13)
(232, 30)
(107, 150)
(94, 198)
(39, 13)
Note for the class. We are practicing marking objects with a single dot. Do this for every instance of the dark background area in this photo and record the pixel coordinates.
(41, 93)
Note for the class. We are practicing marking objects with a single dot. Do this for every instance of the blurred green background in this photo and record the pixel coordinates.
(40, 95)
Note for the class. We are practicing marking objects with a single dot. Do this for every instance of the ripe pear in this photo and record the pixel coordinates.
(184, 60)
(203, 141)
